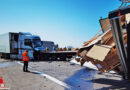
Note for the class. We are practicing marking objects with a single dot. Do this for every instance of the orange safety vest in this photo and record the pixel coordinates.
(25, 57)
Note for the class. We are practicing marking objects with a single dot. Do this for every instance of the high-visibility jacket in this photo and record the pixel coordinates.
(25, 56)
(1, 81)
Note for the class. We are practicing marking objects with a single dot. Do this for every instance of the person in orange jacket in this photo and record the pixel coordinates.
(25, 60)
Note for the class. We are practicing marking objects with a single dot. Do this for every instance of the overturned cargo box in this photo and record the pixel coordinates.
(104, 57)
(103, 54)
(101, 49)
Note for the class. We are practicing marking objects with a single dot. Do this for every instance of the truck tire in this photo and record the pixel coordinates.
(7, 56)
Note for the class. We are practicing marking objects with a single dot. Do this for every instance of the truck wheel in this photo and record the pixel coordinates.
(53, 58)
(62, 58)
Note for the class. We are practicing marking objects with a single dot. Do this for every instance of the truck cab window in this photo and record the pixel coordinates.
(27, 42)
(37, 42)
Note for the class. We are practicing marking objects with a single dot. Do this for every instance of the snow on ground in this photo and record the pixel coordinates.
(68, 73)
(86, 64)
(81, 80)
(6, 64)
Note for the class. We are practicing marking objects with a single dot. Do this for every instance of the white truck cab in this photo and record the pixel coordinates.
(14, 44)
(29, 42)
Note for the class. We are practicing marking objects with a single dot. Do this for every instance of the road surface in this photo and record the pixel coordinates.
(57, 75)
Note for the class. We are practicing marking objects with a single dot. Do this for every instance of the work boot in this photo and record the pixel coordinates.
(27, 71)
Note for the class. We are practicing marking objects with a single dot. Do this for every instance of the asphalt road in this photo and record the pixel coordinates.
(58, 75)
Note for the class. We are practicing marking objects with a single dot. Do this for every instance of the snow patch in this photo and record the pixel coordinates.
(81, 79)
(89, 65)
(86, 64)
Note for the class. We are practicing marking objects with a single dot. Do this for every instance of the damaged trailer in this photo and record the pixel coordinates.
(118, 25)
(101, 50)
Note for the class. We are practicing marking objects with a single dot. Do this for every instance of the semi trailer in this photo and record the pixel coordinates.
(12, 45)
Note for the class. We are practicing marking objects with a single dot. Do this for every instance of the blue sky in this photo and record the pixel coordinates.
(66, 22)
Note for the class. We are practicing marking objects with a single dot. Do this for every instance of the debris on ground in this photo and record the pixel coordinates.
(101, 49)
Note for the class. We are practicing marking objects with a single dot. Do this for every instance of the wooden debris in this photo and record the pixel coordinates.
(105, 59)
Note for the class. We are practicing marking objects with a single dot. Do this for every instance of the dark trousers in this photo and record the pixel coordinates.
(25, 66)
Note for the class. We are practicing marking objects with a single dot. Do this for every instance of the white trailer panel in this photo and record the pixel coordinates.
(4, 43)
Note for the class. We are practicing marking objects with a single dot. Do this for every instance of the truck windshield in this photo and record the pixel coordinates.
(37, 42)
